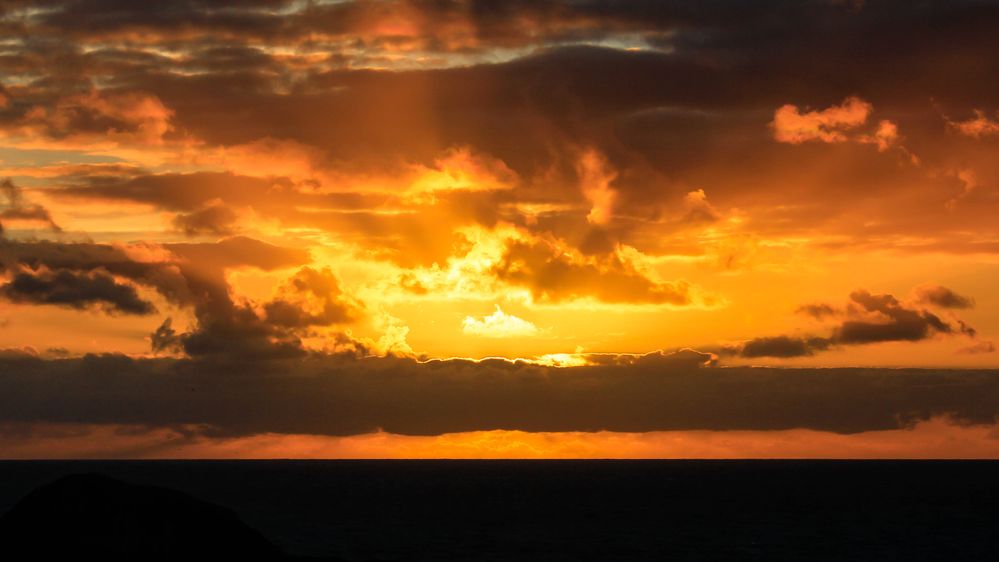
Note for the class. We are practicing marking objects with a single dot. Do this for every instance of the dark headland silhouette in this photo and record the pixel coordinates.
(501, 511)
(93, 516)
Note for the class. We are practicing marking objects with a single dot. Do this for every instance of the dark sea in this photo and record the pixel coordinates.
(586, 510)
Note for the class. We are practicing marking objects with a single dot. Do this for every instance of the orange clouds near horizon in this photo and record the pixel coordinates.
(938, 438)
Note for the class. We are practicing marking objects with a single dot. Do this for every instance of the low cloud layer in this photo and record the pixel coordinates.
(335, 395)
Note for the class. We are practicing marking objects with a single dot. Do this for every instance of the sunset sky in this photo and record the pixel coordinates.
(550, 228)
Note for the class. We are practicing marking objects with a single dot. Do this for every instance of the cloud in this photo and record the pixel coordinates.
(698, 208)
(870, 318)
(837, 124)
(979, 348)
(818, 311)
(187, 275)
(460, 169)
(828, 125)
(92, 120)
(186, 193)
(892, 321)
(230, 327)
(498, 325)
(312, 297)
(969, 183)
(17, 209)
(552, 274)
(216, 219)
(595, 179)
(237, 251)
(530, 109)
(976, 127)
(884, 137)
(938, 295)
(784, 346)
(165, 338)
(376, 29)
(934, 439)
(339, 395)
(75, 290)
(303, 118)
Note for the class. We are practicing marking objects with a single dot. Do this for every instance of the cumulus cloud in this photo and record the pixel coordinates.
(837, 124)
(312, 297)
(976, 127)
(498, 325)
(884, 137)
(892, 321)
(187, 275)
(230, 327)
(790, 125)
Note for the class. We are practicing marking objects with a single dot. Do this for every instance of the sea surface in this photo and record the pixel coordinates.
(585, 510)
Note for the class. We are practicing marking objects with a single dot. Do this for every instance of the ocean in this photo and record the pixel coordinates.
(585, 510)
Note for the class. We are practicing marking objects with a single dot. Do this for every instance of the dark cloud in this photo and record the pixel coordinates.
(704, 79)
(980, 347)
(188, 275)
(214, 219)
(818, 311)
(237, 251)
(227, 329)
(871, 318)
(311, 298)
(784, 346)
(895, 322)
(75, 290)
(17, 209)
(187, 193)
(224, 325)
(170, 272)
(165, 338)
(552, 275)
(337, 395)
(943, 297)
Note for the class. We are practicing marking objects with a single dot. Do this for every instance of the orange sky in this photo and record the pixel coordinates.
(322, 190)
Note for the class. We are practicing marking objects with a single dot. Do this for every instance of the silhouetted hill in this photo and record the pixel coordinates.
(548, 511)
(82, 516)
